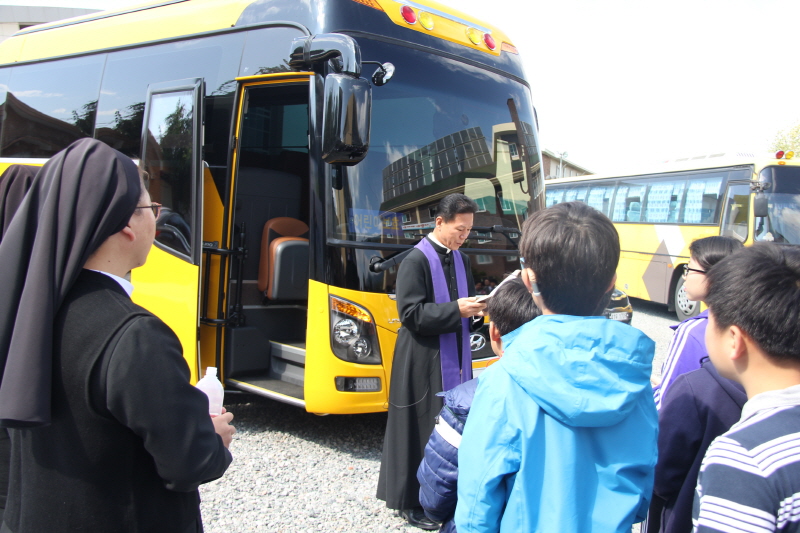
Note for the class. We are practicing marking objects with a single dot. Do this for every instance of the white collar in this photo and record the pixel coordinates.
(435, 240)
(771, 399)
(126, 285)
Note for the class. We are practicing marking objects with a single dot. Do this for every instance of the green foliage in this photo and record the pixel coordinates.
(788, 139)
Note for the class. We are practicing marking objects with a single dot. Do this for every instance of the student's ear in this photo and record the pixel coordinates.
(494, 333)
(613, 282)
(740, 343)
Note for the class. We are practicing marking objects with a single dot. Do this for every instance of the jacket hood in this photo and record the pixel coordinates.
(583, 371)
(731, 388)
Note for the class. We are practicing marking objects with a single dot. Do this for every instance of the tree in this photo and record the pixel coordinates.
(788, 139)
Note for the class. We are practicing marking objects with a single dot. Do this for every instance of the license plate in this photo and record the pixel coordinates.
(618, 316)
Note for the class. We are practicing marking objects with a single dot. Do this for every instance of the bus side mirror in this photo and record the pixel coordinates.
(346, 119)
(760, 206)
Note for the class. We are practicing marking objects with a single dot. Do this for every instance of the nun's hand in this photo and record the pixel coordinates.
(468, 307)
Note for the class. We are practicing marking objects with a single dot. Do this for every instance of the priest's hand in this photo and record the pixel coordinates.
(223, 427)
(470, 307)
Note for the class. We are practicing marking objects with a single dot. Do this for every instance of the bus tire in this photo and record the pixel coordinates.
(684, 308)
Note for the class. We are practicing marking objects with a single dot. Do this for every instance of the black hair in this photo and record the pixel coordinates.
(455, 204)
(573, 249)
(711, 250)
(511, 306)
(758, 290)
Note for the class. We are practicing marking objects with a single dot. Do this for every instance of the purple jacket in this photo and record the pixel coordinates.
(686, 349)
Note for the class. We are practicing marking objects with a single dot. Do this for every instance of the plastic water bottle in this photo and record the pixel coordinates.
(213, 389)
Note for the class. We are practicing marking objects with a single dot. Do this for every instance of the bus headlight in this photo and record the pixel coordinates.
(353, 334)
(345, 332)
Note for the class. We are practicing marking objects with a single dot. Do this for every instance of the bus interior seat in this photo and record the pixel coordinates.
(634, 212)
(283, 266)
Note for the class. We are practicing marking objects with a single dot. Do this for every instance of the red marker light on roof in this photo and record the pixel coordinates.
(779, 154)
(489, 40)
(408, 14)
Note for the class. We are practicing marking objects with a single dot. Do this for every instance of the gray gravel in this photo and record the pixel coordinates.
(297, 472)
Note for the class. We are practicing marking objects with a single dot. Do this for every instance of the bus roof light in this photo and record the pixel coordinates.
(408, 14)
(476, 36)
(426, 20)
(489, 40)
(779, 154)
(788, 155)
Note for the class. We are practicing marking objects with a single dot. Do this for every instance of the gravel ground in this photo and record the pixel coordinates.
(297, 472)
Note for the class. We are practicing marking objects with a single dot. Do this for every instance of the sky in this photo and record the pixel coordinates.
(626, 83)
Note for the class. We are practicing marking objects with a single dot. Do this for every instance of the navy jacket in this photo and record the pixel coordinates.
(698, 407)
(438, 472)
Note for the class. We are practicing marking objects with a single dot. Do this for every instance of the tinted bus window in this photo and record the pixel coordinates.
(121, 106)
(261, 56)
(50, 105)
(5, 76)
(702, 200)
(600, 197)
(664, 201)
(628, 202)
(169, 165)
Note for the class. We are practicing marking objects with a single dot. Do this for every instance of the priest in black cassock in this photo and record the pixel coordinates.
(435, 303)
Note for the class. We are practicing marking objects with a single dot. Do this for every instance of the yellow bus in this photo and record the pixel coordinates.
(296, 147)
(659, 213)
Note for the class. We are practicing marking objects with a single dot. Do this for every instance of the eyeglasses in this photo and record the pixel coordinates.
(154, 206)
(686, 270)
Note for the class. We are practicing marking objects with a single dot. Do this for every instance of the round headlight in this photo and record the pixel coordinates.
(345, 331)
(362, 348)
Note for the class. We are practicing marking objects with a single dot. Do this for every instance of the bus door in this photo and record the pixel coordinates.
(168, 284)
(736, 214)
(265, 336)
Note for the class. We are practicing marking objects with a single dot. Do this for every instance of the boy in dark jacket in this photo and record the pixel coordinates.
(509, 308)
(698, 407)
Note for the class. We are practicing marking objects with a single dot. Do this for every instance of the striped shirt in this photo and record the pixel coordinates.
(686, 349)
(750, 477)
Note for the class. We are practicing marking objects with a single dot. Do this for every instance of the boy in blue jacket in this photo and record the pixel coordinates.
(562, 431)
(509, 308)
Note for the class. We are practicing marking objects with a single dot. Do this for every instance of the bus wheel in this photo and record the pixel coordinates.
(684, 307)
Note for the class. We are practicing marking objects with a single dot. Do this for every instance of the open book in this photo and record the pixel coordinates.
(511, 276)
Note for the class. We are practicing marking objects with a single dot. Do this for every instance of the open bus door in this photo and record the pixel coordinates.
(265, 330)
(168, 284)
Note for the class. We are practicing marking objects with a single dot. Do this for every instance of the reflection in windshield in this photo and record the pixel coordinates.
(436, 131)
(782, 224)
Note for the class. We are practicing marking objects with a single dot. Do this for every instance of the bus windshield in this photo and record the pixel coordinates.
(440, 126)
(782, 223)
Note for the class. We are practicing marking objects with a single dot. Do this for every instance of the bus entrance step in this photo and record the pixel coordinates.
(270, 388)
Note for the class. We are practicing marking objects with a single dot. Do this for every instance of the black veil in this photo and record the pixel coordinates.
(80, 197)
(14, 183)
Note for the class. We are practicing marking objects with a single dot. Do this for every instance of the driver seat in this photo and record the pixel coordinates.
(283, 265)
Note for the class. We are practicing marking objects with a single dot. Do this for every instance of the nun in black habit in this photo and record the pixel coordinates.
(107, 432)
(14, 184)
(435, 300)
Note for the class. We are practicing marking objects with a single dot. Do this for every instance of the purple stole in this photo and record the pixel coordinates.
(452, 373)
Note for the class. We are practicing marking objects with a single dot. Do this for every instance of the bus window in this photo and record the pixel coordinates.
(782, 225)
(628, 205)
(619, 204)
(600, 198)
(663, 201)
(57, 100)
(121, 106)
(168, 161)
(553, 196)
(737, 211)
(482, 191)
(702, 201)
